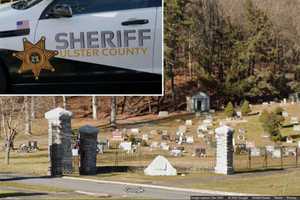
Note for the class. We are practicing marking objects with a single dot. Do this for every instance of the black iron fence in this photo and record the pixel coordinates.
(264, 158)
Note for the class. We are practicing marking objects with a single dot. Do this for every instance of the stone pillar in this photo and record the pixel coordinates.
(59, 141)
(224, 155)
(88, 149)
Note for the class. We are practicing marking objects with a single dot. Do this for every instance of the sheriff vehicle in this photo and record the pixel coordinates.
(49, 46)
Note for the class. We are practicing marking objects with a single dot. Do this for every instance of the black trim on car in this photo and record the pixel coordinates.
(14, 33)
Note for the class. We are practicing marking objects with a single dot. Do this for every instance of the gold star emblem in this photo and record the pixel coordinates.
(35, 57)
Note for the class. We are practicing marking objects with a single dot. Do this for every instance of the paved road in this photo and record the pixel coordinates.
(116, 190)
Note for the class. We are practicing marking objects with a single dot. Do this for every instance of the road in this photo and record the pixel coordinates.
(113, 189)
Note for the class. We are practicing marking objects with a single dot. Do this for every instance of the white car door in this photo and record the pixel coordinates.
(105, 33)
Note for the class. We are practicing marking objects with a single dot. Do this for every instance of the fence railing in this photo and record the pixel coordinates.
(279, 158)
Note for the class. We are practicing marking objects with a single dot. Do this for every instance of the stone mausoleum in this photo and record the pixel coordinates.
(199, 102)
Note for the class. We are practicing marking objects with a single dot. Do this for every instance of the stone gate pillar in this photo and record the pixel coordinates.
(59, 141)
(224, 155)
(88, 149)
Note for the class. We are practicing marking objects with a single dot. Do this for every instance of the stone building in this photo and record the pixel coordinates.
(200, 102)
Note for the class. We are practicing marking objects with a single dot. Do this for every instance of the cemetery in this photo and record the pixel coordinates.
(181, 146)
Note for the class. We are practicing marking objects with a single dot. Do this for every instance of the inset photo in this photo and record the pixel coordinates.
(106, 47)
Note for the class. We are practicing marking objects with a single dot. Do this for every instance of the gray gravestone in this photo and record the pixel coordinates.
(88, 149)
(224, 162)
(59, 141)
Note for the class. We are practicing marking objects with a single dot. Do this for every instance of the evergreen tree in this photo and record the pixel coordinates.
(245, 108)
(229, 110)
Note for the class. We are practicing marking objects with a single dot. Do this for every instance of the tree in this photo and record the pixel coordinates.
(229, 110)
(271, 123)
(272, 126)
(245, 108)
(94, 105)
(11, 109)
(27, 116)
(113, 112)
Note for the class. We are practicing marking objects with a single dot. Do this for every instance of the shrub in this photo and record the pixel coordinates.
(245, 108)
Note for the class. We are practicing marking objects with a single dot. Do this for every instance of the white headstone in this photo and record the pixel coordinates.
(163, 114)
(135, 131)
(145, 137)
(160, 166)
(289, 140)
(276, 153)
(255, 152)
(126, 146)
(296, 128)
(294, 120)
(190, 140)
(188, 122)
(285, 114)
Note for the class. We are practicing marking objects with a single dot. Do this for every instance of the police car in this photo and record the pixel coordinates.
(49, 46)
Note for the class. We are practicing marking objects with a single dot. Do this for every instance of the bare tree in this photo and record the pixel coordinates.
(113, 112)
(64, 102)
(27, 116)
(32, 107)
(94, 105)
(11, 109)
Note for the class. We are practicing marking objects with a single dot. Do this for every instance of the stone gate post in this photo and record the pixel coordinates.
(224, 155)
(59, 141)
(88, 149)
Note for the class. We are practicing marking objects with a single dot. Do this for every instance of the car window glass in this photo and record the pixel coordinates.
(25, 4)
(92, 6)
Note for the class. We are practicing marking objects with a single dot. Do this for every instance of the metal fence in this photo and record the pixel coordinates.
(279, 158)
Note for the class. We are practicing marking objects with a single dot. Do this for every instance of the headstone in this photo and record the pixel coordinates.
(285, 114)
(289, 140)
(163, 114)
(117, 135)
(255, 152)
(224, 155)
(145, 137)
(276, 153)
(153, 132)
(154, 145)
(164, 146)
(75, 152)
(160, 166)
(176, 152)
(88, 149)
(189, 122)
(294, 120)
(265, 103)
(59, 141)
(270, 148)
(212, 111)
(239, 114)
(284, 101)
(135, 131)
(126, 146)
(190, 140)
(200, 152)
(250, 144)
(296, 128)
(181, 129)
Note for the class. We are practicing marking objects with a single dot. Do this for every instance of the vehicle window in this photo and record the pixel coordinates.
(92, 6)
(25, 4)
